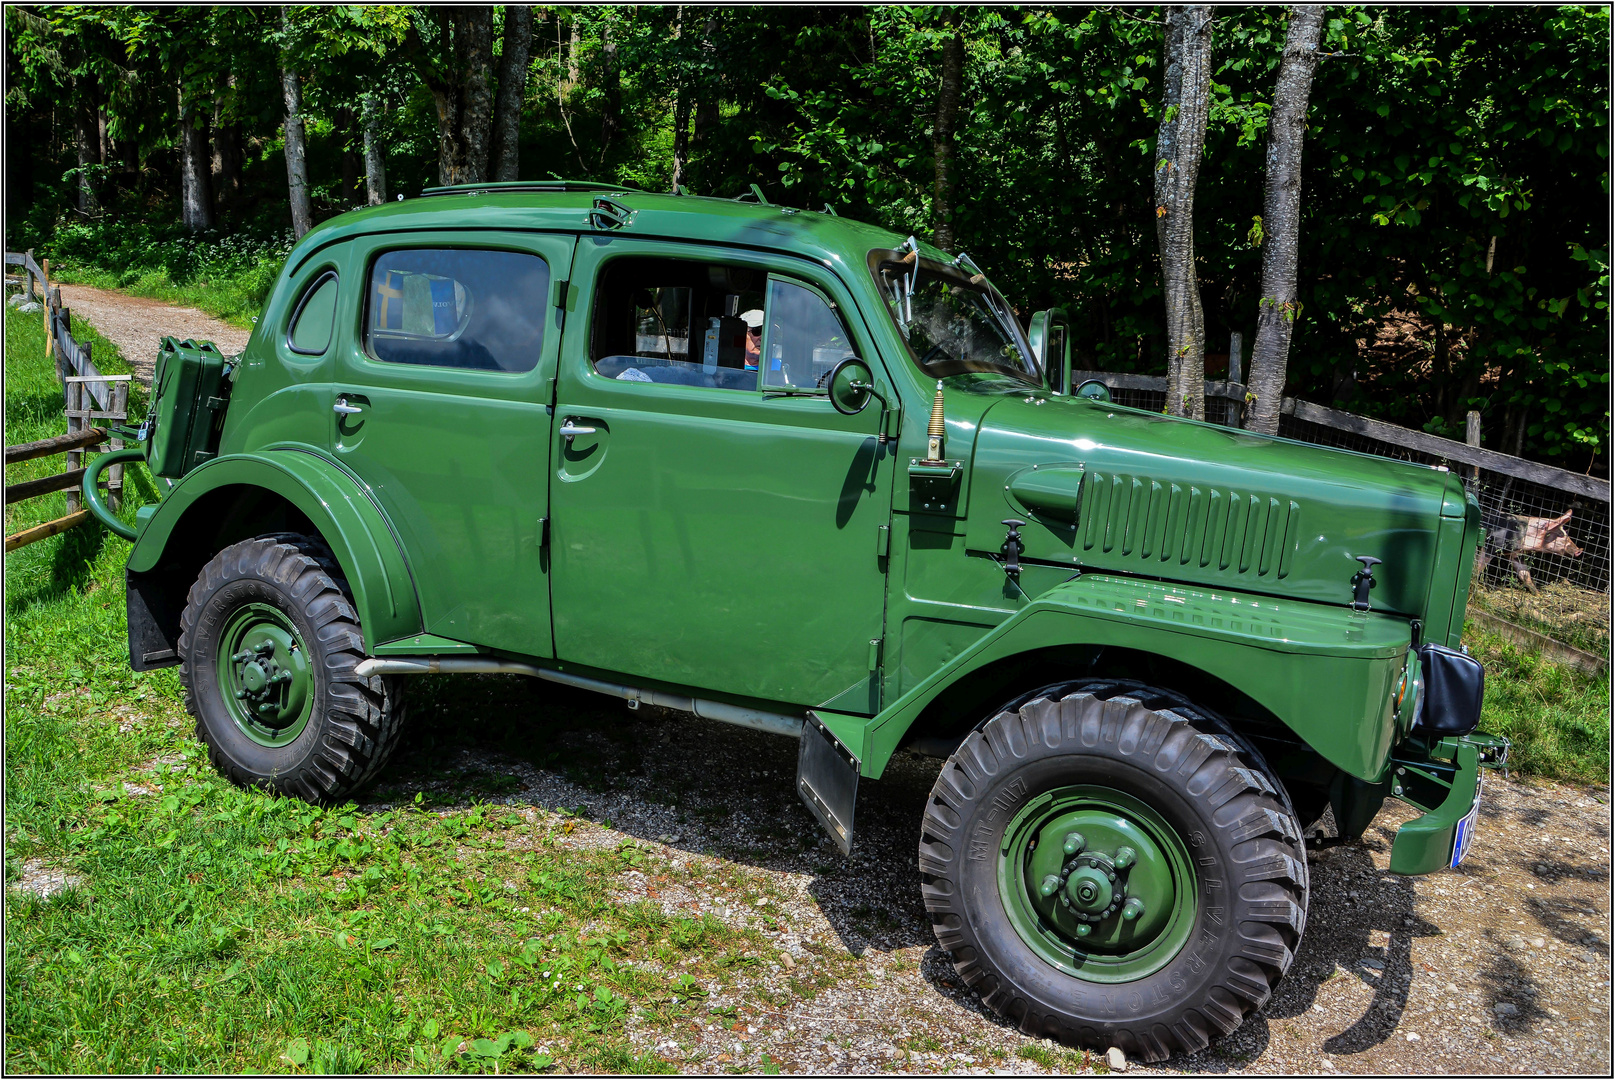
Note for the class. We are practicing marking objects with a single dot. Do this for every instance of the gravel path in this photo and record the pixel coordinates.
(137, 325)
(1501, 967)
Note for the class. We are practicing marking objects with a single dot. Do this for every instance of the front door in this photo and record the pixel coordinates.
(441, 406)
(717, 523)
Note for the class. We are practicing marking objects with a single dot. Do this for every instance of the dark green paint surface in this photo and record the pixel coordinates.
(768, 549)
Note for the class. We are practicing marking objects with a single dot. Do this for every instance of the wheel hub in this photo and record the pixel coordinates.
(264, 674)
(1099, 881)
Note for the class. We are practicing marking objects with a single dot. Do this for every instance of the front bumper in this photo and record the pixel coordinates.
(1443, 778)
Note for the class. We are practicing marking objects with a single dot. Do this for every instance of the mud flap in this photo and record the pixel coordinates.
(827, 780)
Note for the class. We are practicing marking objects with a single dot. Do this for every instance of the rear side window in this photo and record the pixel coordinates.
(310, 333)
(482, 310)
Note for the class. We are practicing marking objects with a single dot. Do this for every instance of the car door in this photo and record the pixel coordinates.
(714, 528)
(441, 405)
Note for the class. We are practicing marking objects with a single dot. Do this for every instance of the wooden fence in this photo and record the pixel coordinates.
(88, 396)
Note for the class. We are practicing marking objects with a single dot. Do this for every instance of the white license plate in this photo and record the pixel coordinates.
(1466, 827)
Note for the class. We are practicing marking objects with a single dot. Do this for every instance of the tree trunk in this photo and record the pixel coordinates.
(705, 105)
(1181, 139)
(574, 69)
(87, 141)
(226, 159)
(296, 148)
(682, 95)
(196, 171)
(507, 115)
(611, 89)
(947, 110)
(345, 126)
(460, 88)
(1278, 309)
(375, 168)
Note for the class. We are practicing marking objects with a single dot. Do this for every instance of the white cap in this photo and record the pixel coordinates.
(753, 318)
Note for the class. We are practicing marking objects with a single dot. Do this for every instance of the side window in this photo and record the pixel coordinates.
(805, 337)
(482, 310)
(310, 332)
(678, 322)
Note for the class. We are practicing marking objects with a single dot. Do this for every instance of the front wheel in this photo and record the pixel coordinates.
(269, 642)
(1107, 866)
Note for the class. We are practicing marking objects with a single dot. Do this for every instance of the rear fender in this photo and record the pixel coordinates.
(1327, 673)
(335, 503)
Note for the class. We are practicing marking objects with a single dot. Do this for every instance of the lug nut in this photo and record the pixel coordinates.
(1050, 886)
(264, 648)
(1134, 908)
(1083, 929)
(1125, 857)
(241, 657)
(1074, 842)
(241, 695)
(284, 676)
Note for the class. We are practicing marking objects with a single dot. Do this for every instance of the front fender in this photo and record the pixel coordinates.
(1329, 673)
(338, 504)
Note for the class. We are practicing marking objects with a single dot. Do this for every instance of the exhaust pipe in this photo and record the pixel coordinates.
(756, 719)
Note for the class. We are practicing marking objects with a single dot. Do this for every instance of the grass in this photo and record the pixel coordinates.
(1557, 717)
(215, 930)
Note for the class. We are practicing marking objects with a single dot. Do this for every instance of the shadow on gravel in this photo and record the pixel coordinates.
(667, 777)
(1351, 900)
(1511, 989)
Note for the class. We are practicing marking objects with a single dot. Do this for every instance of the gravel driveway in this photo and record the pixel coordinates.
(137, 325)
(1503, 966)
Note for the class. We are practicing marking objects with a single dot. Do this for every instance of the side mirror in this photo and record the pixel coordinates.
(1049, 334)
(850, 384)
(1094, 390)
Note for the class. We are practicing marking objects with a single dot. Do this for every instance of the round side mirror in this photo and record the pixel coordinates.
(1094, 390)
(849, 383)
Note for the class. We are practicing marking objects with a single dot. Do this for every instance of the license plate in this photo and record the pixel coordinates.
(1466, 827)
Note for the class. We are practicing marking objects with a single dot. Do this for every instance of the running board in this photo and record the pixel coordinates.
(756, 719)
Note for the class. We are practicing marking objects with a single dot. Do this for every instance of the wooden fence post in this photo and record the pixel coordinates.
(120, 405)
(74, 392)
(1472, 437)
(50, 346)
(28, 265)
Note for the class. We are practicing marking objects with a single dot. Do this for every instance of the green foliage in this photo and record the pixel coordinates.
(1454, 249)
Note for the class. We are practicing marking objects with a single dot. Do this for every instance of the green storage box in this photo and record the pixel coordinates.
(187, 411)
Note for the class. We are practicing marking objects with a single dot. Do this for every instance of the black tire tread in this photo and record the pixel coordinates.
(364, 717)
(1221, 770)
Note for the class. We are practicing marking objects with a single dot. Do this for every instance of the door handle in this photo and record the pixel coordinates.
(569, 429)
(344, 408)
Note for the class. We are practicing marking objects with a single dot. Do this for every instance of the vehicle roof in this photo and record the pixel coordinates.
(565, 206)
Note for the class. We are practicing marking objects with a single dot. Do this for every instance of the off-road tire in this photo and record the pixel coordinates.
(355, 722)
(1188, 766)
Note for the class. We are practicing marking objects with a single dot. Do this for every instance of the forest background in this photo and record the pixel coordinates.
(1454, 235)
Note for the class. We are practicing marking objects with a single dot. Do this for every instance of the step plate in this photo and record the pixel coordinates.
(827, 780)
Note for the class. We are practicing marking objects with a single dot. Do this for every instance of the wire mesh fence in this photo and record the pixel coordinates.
(1542, 537)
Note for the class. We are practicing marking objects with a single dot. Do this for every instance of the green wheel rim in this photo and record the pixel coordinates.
(264, 675)
(1097, 883)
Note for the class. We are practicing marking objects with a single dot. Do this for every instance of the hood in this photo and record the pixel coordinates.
(1123, 490)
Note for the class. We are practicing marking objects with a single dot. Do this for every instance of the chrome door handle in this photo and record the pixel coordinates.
(344, 408)
(569, 429)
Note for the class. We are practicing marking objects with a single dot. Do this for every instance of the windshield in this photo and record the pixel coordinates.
(954, 321)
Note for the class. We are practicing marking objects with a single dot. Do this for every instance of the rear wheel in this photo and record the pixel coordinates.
(269, 641)
(1107, 864)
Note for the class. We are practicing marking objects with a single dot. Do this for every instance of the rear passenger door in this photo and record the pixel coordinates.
(440, 403)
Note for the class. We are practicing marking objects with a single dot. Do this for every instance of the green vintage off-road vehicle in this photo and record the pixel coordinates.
(788, 471)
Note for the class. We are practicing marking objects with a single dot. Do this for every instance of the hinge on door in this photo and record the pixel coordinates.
(874, 654)
(543, 532)
(883, 540)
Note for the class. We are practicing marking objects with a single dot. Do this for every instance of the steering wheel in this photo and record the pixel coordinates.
(932, 351)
